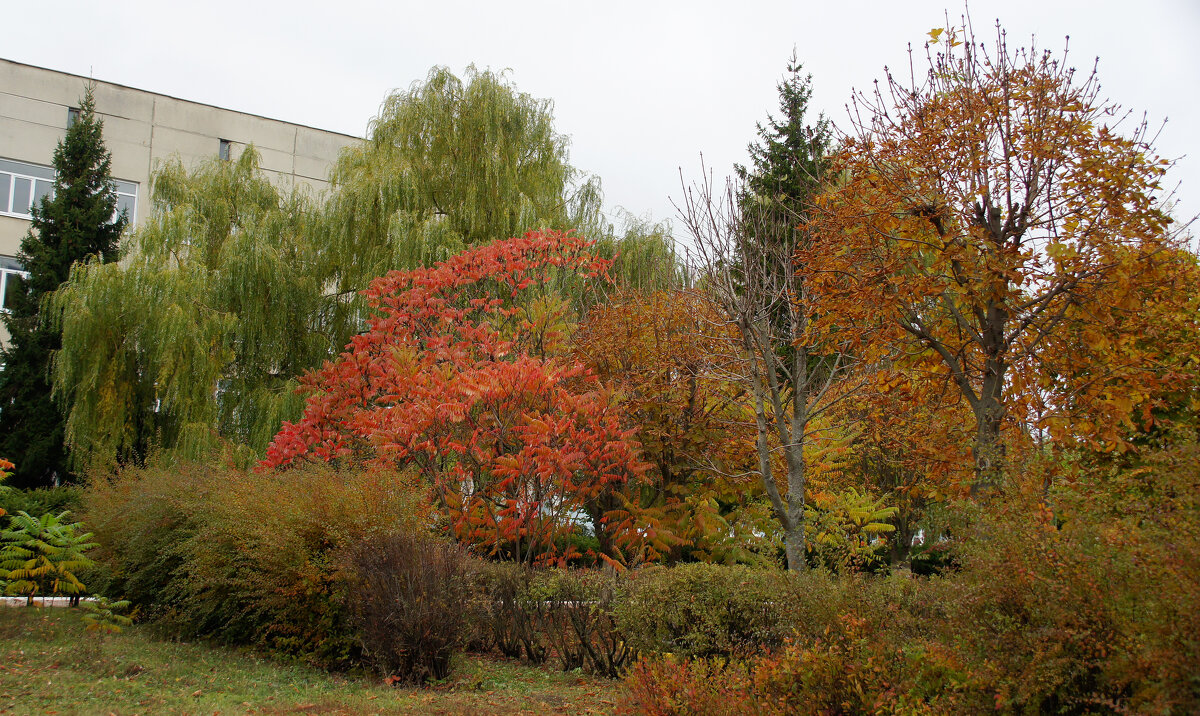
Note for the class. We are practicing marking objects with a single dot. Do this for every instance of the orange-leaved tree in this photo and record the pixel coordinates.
(5, 470)
(1130, 377)
(667, 355)
(976, 210)
(452, 378)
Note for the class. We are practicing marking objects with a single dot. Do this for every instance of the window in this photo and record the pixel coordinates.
(11, 277)
(126, 199)
(224, 152)
(72, 116)
(22, 185)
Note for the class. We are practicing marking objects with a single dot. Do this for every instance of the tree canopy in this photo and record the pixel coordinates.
(194, 339)
(980, 212)
(253, 286)
(462, 376)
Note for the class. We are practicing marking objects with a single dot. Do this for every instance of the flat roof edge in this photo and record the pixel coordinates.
(180, 99)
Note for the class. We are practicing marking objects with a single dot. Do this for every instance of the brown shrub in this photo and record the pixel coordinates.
(407, 592)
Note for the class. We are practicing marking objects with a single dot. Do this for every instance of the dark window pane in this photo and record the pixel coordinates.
(12, 288)
(5, 186)
(22, 190)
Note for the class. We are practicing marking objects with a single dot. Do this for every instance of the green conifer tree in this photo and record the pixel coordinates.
(76, 221)
(791, 157)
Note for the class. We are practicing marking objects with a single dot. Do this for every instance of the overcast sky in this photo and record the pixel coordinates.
(642, 88)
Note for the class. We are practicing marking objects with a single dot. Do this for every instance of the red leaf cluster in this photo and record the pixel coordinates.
(448, 380)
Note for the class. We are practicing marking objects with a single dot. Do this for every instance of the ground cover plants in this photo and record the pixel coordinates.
(52, 664)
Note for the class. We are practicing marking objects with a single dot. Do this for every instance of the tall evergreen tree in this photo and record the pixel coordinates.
(73, 223)
(790, 158)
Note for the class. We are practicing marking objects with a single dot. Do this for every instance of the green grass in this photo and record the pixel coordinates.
(50, 664)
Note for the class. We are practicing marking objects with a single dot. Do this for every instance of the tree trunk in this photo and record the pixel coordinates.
(794, 546)
(988, 450)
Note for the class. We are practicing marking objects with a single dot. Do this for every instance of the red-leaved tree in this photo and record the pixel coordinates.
(457, 377)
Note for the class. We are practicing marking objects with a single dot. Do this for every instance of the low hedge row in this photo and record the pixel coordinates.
(602, 620)
(338, 569)
(263, 560)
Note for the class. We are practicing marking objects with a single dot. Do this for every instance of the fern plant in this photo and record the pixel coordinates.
(39, 555)
(845, 528)
(102, 615)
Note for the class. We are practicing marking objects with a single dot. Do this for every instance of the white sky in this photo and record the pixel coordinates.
(642, 88)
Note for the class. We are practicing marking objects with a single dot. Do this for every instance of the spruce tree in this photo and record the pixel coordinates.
(791, 157)
(77, 221)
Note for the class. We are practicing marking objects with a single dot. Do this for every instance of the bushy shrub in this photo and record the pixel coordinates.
(679, 687)
(242, 557)
(1090, 598)
(1092, 606)
(407, 592)
(565, 614)
(46, 500)
(575, 611)
(700, 610)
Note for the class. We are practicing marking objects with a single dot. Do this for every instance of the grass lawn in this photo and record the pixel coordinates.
(50, 664)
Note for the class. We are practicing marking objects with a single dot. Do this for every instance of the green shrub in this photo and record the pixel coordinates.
(575, 612)
(701, 610)
(46, 500)
(407, 592)
(246, 558)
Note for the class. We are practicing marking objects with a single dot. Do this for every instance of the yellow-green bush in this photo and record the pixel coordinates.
(246, 557)
(705, 610)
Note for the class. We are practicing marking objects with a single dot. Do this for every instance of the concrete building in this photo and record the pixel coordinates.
(141, 129)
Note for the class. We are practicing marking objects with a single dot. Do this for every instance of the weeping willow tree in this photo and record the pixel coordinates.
(450, 164)
(643, 254)
(232, 289)
(194, 338)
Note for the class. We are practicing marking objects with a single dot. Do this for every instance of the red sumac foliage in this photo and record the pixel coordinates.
(453, 378)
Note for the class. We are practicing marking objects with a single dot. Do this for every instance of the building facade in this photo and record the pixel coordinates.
(141, 129)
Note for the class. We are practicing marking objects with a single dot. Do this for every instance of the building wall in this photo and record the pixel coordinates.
(142, 129)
